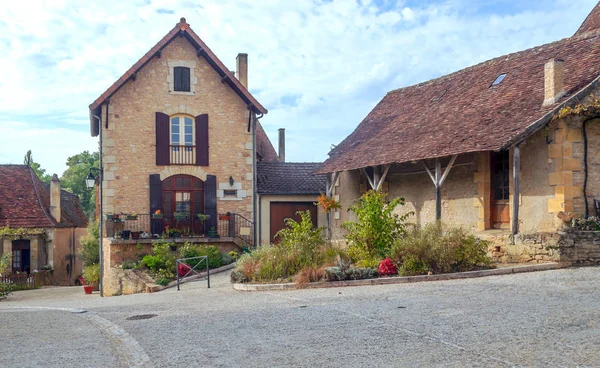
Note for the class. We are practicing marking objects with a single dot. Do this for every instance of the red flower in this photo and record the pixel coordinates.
(387, 268)
(183, 269)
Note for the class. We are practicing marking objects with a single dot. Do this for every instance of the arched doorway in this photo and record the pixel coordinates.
(182, 201)
(21, 255)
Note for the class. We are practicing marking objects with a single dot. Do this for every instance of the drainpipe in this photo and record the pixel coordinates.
(254, 189)
(100, 220)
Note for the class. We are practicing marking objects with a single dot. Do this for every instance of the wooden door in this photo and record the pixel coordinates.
(279, 211)
(21, 256)
(500, 181)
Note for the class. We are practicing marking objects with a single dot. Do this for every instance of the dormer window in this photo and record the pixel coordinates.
(181, 79)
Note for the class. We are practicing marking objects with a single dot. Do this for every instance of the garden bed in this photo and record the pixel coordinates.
(402, 279)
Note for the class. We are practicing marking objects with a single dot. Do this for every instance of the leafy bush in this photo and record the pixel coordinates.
(91, 274)
(439, 250)
(351, 273)
(5, 289)
(371, 238)
(129, 265)
(90, 246)
(301, 247)
(589, 224)
(226, 259)
(5, 264)
(163, 281)
(189, 250)
(161, 259)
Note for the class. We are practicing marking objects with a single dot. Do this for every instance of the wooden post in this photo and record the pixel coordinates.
(516, 196)
(438, 189)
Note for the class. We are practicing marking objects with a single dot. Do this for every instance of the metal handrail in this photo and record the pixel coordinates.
(181, 261)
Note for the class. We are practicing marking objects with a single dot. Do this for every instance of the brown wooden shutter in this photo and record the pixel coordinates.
(185, 79)
(156, 225)
(163, 140)
(202, 140)
(210, 202)
(181, 79)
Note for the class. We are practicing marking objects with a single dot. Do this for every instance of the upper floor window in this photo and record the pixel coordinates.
(181, 79)
(182, 140)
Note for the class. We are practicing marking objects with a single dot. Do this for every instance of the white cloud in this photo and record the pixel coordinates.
(334, 59)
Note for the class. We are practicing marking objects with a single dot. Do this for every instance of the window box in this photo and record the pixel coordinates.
(132, 217)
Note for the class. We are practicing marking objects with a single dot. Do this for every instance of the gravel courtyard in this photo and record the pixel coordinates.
(540, 319)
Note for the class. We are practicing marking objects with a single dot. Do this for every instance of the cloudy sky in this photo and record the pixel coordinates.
(319, 66)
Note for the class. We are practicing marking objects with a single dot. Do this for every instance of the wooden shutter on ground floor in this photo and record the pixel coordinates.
(202, 140)
(163, 140)
(156, 225)
(210, 202)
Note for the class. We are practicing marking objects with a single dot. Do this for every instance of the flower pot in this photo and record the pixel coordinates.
(175, 235)
(126, 234)
(157, 216)
(109, 217)
(135, 234)
(225, 217)
(173, 248)
(131, 217)
(88, 288)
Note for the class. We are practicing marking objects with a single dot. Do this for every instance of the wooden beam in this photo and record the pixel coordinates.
(368, 178)
(516, 192)
(447, 169)
(375, 177)
(428, 171)
(382, 179)
(438, 189)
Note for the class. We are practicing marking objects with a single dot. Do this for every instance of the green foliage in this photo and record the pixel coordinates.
(5, 264)
(301, 247)
(226, 259)
(73, 179)
(351, 273)
(5, 289)
(37, 168)
(91, 274)
(90, 246)
(129, 265)
(17, 233)
(234, 255)
(371, 238)
(163, 281)
(161, 258)
(439, 250)
(190, 250)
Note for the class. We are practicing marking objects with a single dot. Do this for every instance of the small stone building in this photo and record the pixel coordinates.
(490, 147)
(45, 224)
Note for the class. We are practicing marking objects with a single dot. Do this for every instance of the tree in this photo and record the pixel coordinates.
(73, 179)
(37, 168)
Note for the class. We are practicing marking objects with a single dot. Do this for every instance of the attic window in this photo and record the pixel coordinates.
(181, 80)
(438, 97)
(499, 79)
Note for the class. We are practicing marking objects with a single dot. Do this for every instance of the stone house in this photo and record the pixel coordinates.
(179, 137)
(46, 224)
(483, 147)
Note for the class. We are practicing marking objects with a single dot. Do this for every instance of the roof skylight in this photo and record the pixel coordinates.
(499, 79)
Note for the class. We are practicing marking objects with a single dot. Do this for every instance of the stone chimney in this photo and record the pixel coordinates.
(554, 79)
(55, 198)
(241, 69)
(281, 145)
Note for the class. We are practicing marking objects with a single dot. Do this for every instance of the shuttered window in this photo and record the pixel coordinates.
(181, 140)
(181, 82)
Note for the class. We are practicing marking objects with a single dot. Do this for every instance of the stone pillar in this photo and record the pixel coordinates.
(7, 247)
(34, 249)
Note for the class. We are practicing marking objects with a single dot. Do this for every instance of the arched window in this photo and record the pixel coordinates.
(183, 200)
(182, 139)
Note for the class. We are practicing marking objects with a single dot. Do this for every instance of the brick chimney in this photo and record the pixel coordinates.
(281, 145)
(55, 198)
(554, 79)
(241, 69)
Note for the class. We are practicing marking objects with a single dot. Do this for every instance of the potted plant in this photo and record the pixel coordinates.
(212, 233)
(202, 217)
(225, 217)
(116, 218)
(180, 216)
(157, 214)
(91, 277)
(126, 234)
(173, 233)
(109, 216)
(132, 217)
(136, 234)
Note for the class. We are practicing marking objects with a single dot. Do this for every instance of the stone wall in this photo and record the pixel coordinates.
(129, 142)
(580, 247)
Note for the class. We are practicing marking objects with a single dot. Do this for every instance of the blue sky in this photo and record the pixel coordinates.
(318, 66)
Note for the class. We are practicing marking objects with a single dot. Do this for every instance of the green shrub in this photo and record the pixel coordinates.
(129, 265)
(371, 238)
(5, 289)
(5, 264)
(163, 281)
(91, 274)
(351, 273)
(161, 258)
(189, 250)
(303, 239)
(226, 259)
(90, 246)
(439, 250)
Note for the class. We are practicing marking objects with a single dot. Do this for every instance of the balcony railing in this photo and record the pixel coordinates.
(182, 155)
(145, 225)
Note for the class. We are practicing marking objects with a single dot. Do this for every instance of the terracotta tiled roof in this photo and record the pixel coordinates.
(182, 28)
(264, 147)
(25, 201)
(461, 112)
(591, 23)
(289, 178)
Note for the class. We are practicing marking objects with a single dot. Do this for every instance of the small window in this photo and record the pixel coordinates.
(499, 79)
(181, 82)
(230, 193)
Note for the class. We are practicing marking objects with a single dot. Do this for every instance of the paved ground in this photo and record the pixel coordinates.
(541, 319)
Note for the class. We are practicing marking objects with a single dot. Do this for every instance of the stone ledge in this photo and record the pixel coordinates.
(404, 279)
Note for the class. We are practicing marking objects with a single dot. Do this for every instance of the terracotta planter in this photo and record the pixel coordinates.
(225, 217)
(88, 288)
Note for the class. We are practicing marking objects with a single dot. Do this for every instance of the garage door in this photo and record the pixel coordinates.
(282, 210)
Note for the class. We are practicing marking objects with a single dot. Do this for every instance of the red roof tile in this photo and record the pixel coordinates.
(264, 147)
(25, 201)
(461, 112)
(181, 28)
(591, 23)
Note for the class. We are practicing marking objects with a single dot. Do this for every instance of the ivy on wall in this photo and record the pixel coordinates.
(20, 232)
(590, 110)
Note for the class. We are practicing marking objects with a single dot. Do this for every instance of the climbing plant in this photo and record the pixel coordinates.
(20, 232)
(589, 110)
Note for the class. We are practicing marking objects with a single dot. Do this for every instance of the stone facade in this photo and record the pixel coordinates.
(129, 141)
